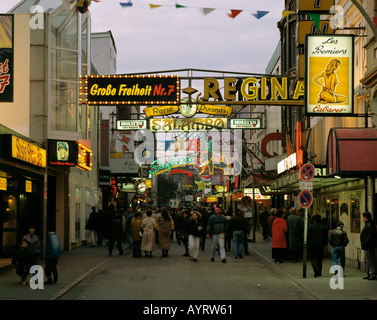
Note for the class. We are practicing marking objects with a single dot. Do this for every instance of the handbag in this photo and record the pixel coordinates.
(140, 233)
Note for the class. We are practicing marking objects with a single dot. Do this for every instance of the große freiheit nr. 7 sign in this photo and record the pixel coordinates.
(126, 89)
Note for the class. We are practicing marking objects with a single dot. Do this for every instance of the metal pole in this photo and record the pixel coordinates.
(305, 253)
(366, 17)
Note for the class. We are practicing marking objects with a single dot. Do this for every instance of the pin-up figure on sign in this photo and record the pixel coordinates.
(330, 81)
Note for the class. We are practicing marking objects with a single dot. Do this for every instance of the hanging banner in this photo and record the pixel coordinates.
(127, 89)
(245, 124)
(6, 58)
(215, 110)
(125, 125)
(193, 124)
(329, 75)
(160, 111)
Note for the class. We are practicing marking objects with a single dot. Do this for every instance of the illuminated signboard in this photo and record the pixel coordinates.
(62, 153)
(69, 153)
(192, 124)
(84, 158)
(131, 124)
(28, 152)
(3, 184)
(127, 89)
(329, 75)
(262, 90)
(28, 186)
(6, 58)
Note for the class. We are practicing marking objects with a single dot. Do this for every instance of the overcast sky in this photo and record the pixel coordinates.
(167, 37)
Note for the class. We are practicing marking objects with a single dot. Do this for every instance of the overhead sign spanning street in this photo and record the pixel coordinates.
(192, 124)
(126, 89)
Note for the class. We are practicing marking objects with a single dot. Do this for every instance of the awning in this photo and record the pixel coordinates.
(352, 152)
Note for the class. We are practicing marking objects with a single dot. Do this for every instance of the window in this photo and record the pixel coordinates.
(69, 54)
(355, 212)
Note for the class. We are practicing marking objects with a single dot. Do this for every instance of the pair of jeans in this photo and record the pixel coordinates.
(338, 253)
(220, 240)
(238, 242)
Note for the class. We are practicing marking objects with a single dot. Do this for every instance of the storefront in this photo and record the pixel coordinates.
(22, 168)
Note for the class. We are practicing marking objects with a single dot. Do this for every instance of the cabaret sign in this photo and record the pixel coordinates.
(329, 75)
(192, 124)
(129, 89)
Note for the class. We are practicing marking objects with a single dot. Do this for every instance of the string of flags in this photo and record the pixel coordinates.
(83, 5)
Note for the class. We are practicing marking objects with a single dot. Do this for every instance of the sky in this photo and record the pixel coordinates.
(170, 38)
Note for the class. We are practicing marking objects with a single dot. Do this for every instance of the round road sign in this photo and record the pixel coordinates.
(307, 172)
(305, 199)
(246, 201)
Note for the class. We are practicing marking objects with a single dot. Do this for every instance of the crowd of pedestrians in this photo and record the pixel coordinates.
(155, 227)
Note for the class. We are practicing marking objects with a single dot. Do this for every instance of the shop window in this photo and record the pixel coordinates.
(355, 212)
(331, 209)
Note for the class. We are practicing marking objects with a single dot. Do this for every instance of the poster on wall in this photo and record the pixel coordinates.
(6, 58)
(329, 75)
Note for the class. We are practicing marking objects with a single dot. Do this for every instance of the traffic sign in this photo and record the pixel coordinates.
(306, 185)
(246, 201)
(307, 172)
(305, 199)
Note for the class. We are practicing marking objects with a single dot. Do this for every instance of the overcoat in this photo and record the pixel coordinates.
(149, 225)
(279, 229)
(164, 232)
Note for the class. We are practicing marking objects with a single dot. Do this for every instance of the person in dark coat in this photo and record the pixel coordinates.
(263, 216)
(115, 231)
(53, 251)
(295, 235)
(204, 220)
(339, 240)
(22, 261)
(368, 239)
(93, 225)
(238, 229)
(317, 240)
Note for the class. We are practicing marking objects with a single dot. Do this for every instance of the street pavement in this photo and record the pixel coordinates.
(83, 276)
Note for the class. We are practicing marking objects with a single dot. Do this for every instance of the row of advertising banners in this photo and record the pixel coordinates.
(327, 89)
(60, 153)
(183, 124)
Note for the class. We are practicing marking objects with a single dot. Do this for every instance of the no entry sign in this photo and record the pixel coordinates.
(305, 199)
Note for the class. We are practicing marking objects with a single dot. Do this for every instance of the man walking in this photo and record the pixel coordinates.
(216, 230)
(368, 244)
(338, 240)
(317, 240)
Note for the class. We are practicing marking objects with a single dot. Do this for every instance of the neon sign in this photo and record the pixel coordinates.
(128, 89)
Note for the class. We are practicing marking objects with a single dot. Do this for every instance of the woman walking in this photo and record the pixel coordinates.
(165, 227)
(194, 230)
(149, 225)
